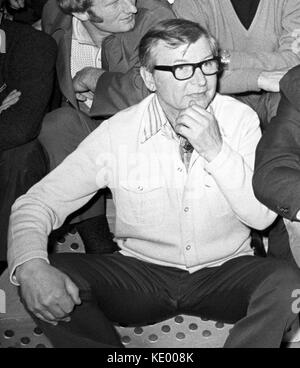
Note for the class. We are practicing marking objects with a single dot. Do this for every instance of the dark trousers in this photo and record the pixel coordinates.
(252, 292)
(20, 169)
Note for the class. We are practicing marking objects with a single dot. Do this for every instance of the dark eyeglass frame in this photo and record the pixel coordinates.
(172, 68)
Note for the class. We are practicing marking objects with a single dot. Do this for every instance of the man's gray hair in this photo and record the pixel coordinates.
(174, 32)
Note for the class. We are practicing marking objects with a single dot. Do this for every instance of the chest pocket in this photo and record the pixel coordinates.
(217, 203)
(141, 205)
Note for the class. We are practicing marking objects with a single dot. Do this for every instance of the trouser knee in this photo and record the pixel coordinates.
(70, 264)
(282, 287)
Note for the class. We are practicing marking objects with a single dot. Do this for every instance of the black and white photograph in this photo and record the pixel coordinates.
(149, 168)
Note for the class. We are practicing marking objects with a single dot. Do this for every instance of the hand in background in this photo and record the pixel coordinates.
(85, 82)
(269, 81)
(10, 100)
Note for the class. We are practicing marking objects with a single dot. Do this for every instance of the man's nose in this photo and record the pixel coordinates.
(199, 77)
(129, 6)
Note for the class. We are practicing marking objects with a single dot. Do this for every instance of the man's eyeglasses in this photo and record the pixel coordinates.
(186, 71)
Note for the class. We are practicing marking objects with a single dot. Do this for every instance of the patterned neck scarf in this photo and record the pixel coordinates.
(186, 150)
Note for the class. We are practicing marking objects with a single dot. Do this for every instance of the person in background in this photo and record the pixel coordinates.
(27, 70)
(259, 42)
(98, 75)
(180, 171)
(277, 170)
(25, 11)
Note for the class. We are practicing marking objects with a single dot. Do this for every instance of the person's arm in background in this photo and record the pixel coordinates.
(264, 70)
(276, 179)
(117, 91)
(51, 12)
(31, 71)
(250, 80)
(252, 71)
(288, 53)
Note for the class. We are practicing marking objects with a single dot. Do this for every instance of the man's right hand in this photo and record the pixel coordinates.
(47, 292)
(269, 81)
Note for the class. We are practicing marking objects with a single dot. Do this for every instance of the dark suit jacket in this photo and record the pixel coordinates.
(28, 66)
(121, 86)
(276, 178)
(277, 168)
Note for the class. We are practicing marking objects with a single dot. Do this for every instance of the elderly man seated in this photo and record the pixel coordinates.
(179, 165)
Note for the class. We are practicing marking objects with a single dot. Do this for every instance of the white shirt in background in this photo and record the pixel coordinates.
(84, 52)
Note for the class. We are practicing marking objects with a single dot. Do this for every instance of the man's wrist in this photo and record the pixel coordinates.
(210, 156)
(27, 269)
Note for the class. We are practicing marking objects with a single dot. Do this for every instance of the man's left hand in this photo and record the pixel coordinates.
(86, 79)
(201, 129)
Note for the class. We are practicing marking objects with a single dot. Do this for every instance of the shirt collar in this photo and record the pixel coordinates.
(157, 121)
(80, 34)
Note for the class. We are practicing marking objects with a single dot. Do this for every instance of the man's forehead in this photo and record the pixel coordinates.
(165, 53)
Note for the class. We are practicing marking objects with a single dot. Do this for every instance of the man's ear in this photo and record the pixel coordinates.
(148, 79)
(83, 17)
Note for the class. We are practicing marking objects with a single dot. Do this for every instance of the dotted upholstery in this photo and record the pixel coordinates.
(22, 333)
(178, 332)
